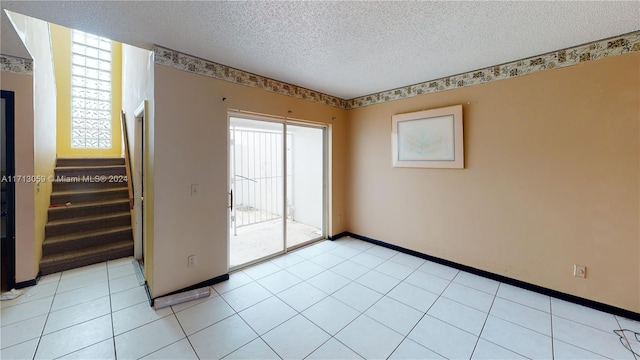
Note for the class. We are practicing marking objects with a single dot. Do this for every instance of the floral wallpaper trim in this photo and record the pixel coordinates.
(199, 66)
(16, 65)
(558, 59)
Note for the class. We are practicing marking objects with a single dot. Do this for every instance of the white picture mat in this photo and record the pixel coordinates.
(429, 139)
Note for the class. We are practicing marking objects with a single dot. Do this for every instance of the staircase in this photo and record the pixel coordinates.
(89, 218)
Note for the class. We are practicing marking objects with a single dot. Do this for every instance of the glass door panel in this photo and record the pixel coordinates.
(256, 168)
(305, 184)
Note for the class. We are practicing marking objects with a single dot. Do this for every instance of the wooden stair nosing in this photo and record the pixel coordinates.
(86, 239)
(86, 196)
(118, 170)
(97, 249)
(60, 186)
(82, 192)
(65, 261)
(89, 167)
(88, 209)
(86, 223)
(75, 221)
(89, 161)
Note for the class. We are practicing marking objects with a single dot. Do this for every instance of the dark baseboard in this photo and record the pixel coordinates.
(24, 284)
(148, 291)
(521, 284)
(338, 236)
(32, 282)
(209, 282)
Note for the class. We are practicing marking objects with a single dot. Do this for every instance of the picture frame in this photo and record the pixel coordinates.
(428, 139)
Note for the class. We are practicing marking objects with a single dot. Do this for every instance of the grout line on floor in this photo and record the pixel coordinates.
(553, 340)
(485, 321)
(53, 299)
(113, 330)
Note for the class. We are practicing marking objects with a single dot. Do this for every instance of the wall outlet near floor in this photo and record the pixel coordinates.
(191, 261)
(579, 271)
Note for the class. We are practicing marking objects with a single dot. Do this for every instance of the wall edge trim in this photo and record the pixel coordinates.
(518, 283)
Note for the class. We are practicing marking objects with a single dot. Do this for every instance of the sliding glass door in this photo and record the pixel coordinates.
(277, 187)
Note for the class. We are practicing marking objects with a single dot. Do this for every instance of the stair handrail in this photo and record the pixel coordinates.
(127, 163)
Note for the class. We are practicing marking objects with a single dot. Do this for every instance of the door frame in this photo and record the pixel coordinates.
(325, 163)
(9, 97)
(139, 162)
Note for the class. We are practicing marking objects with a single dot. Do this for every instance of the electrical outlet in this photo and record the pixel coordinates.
(580, 271)
(191, 261)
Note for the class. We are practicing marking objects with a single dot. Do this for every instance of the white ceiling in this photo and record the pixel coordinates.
(346, 49)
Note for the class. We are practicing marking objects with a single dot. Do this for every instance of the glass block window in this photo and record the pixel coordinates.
(90, 91)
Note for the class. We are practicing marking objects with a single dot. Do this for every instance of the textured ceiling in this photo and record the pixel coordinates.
(346, 49)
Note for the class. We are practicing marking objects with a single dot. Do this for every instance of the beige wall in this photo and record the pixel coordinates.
(44, 131)
(41, 138)
(137, 83)
(190, 147)
(552, 179)
(137, 86)
(22, 86)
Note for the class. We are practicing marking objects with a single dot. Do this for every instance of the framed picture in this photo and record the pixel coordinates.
(428, 139)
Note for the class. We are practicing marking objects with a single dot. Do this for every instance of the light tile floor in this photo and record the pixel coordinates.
(345, 299)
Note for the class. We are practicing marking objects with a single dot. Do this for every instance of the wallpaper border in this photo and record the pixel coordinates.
(617, 45)
(16, 65)
(178, 60)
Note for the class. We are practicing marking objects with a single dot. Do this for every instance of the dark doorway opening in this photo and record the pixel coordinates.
(7, 154)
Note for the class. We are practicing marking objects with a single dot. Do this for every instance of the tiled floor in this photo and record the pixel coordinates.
(345, 299)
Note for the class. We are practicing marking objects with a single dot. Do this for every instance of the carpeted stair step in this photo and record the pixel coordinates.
(83, 240)
(89, 220)
(50, 264)
(89, 162)
(77, 183)
(87, 223)
(85, 196)
(88, 209)
(91, 171)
